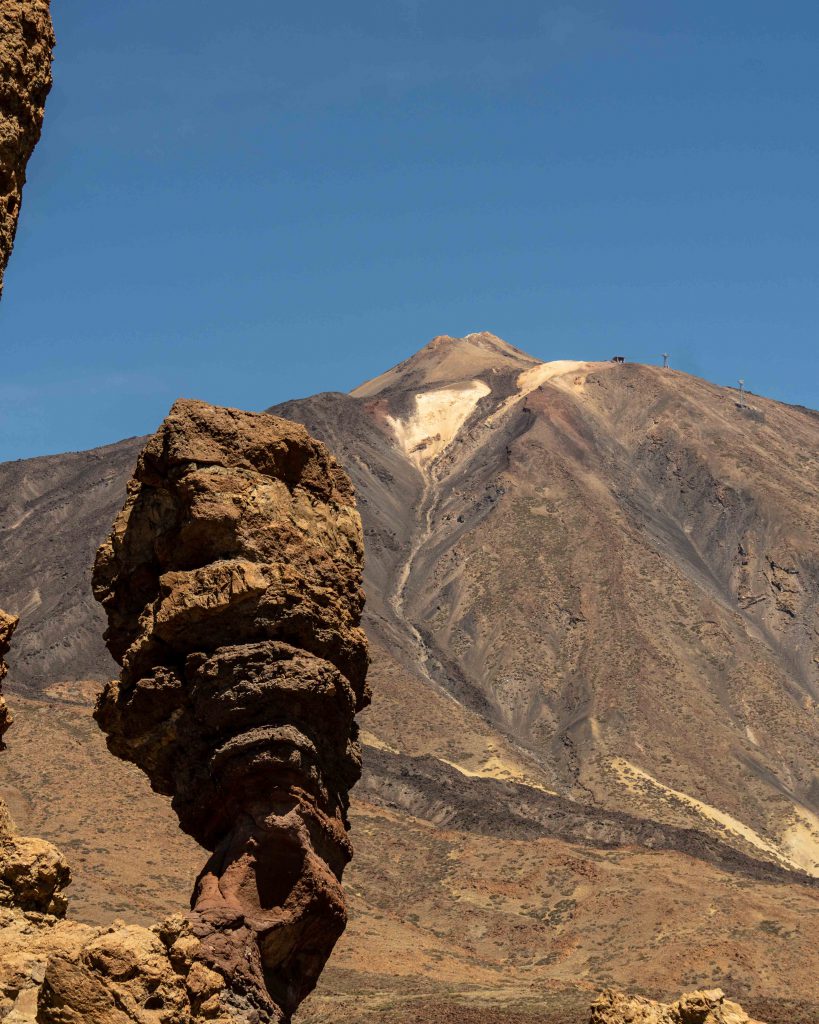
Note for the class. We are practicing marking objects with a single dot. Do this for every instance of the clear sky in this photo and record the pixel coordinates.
(251, 202)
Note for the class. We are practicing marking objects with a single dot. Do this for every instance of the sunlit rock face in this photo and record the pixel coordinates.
(232, 585)
(703, 1007)
(26, 44)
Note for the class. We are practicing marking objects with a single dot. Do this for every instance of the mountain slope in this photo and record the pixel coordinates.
(615, 567)
(54, 512)
(592, 607)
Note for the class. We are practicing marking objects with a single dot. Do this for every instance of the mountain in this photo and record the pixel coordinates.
(593, 592)
(615, 568)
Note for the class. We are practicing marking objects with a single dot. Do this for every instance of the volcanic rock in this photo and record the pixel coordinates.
(707, 1007)
(128, 973)
(8, 624)
(232, 585)
(26, 43)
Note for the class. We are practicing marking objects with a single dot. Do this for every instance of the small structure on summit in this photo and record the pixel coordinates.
(618, 359)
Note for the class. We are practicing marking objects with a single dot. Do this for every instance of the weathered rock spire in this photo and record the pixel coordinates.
(232, 585)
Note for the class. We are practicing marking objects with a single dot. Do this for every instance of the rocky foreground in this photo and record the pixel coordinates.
(709, 1007)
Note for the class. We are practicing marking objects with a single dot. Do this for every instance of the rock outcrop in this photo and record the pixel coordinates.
(127, 973)
(26, 44)
(8, 624)
(707, 1007)
(232, 585)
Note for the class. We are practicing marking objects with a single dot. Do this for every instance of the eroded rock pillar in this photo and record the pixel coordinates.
(232, 585)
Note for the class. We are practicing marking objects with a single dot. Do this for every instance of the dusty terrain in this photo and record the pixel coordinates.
(592, 607)
(469, 926)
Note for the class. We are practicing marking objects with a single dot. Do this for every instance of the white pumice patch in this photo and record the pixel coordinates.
(436, 420)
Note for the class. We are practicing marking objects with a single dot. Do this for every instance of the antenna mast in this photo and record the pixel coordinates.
(741, 393)
(665, 360)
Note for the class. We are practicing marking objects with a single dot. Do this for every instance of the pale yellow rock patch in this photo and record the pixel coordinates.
(436, 420)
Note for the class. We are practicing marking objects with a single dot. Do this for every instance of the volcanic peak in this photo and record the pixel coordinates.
(427, 399)
(446, 360)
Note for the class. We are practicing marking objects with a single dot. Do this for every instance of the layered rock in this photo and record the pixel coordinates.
(707, 1007)
(26, 44)
(232, 585)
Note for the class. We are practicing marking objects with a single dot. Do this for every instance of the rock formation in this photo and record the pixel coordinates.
(33, 875)
(26, 43)
(8, 624)
(232, 585)
(708, 1007)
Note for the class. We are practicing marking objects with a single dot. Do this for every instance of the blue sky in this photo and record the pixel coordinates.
(252, 203)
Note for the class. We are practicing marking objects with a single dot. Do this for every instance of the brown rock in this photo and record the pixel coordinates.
(27, 942)
(8, 624)
(232, 582)
(123, 974)
(33, 874)
(232, 585)
(26, 43)
(706, 1007)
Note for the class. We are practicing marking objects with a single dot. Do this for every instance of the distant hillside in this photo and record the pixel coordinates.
(54, 512)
